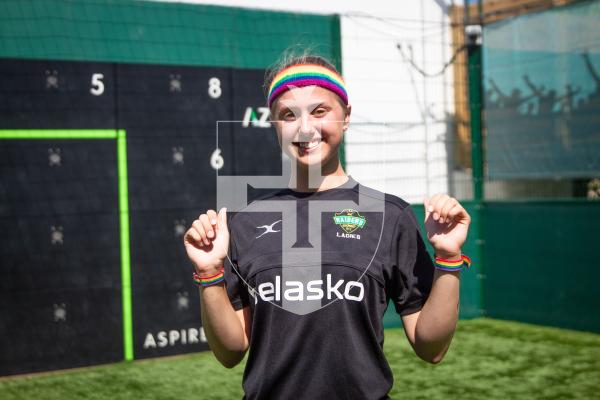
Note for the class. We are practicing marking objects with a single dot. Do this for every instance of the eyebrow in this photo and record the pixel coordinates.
(316, 103)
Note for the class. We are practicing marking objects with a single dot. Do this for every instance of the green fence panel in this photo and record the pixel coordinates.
(541, 263)
(159, 33)
(470, 285)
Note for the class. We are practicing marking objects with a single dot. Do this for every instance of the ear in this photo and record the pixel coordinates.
(347, 117)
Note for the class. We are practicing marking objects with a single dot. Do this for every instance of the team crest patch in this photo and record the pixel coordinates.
(349, 220)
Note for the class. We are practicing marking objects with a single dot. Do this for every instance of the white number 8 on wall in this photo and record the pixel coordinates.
(214, 88)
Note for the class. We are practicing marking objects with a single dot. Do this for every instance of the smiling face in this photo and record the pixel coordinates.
(310, 123)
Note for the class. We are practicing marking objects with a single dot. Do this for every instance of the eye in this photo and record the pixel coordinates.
(288, 116)
(319, 111)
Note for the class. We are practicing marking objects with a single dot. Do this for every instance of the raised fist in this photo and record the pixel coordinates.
(207, 241)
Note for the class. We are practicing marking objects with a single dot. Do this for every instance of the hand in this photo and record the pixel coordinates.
(207, 241)
(447, 224)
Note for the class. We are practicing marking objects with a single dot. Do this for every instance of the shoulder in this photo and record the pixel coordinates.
(397, 210)
(396, 203)
(393, 203)
(242, 217)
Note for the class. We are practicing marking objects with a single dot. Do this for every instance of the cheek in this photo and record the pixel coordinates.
(280, 131)
(334, 132)
(283, 139)
(287, 132)
(277, 127)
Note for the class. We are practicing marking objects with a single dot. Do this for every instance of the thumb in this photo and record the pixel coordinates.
(222, 219)
(426, 205)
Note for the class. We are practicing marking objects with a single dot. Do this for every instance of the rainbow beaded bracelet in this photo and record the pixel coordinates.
(211, 280)
(452, 265)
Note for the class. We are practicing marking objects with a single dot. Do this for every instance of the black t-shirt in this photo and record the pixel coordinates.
(367, 258)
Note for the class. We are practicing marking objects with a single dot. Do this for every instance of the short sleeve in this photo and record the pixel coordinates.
(411, 275)
(236, 289)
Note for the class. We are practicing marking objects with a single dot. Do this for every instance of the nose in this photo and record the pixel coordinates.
(305, 128)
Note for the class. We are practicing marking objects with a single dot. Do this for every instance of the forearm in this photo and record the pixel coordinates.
(437, 320)
(222, 326)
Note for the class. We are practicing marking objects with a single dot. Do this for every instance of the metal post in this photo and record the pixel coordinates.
(475, 107)
(473, 35)
(336, 52)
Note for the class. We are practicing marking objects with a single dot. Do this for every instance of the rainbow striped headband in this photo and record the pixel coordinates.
(306, 75)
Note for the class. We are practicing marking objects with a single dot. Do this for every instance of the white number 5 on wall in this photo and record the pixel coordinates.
(97, 85)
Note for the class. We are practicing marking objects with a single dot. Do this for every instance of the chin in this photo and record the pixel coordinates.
(314, 162)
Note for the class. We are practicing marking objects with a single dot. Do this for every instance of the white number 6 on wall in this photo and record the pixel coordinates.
(216, 160)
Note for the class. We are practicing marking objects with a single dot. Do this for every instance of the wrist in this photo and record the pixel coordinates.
(208, 269)
(448, 255)
(452, 264)
(217, 278)
(211, 288)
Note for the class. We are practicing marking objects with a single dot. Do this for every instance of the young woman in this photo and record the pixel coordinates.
(331, 347)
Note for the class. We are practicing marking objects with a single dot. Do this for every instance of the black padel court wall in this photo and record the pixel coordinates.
(106, 159)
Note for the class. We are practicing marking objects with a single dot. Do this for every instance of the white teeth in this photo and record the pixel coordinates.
(309, 145)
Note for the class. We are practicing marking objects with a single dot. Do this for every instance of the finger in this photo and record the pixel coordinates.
(454, 213)
(426, 207)
(430, 204)
(459, 214)
(222, 219)
(207, 226)
(212, 216)
(448, 204)
(436, 206)
(200, 228)
(192, 236)
(432, 201)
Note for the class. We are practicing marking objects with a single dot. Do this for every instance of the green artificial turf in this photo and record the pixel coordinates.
(488, 359)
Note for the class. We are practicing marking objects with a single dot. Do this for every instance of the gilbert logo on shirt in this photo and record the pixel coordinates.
(268, 229)
(349, 220)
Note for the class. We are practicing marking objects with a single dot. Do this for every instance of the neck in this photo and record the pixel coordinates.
(316, 179)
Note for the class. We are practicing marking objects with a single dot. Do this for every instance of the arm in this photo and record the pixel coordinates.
(430, 330)
(532, 87)
(590, 67)
(496, 89)
(227, 330)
